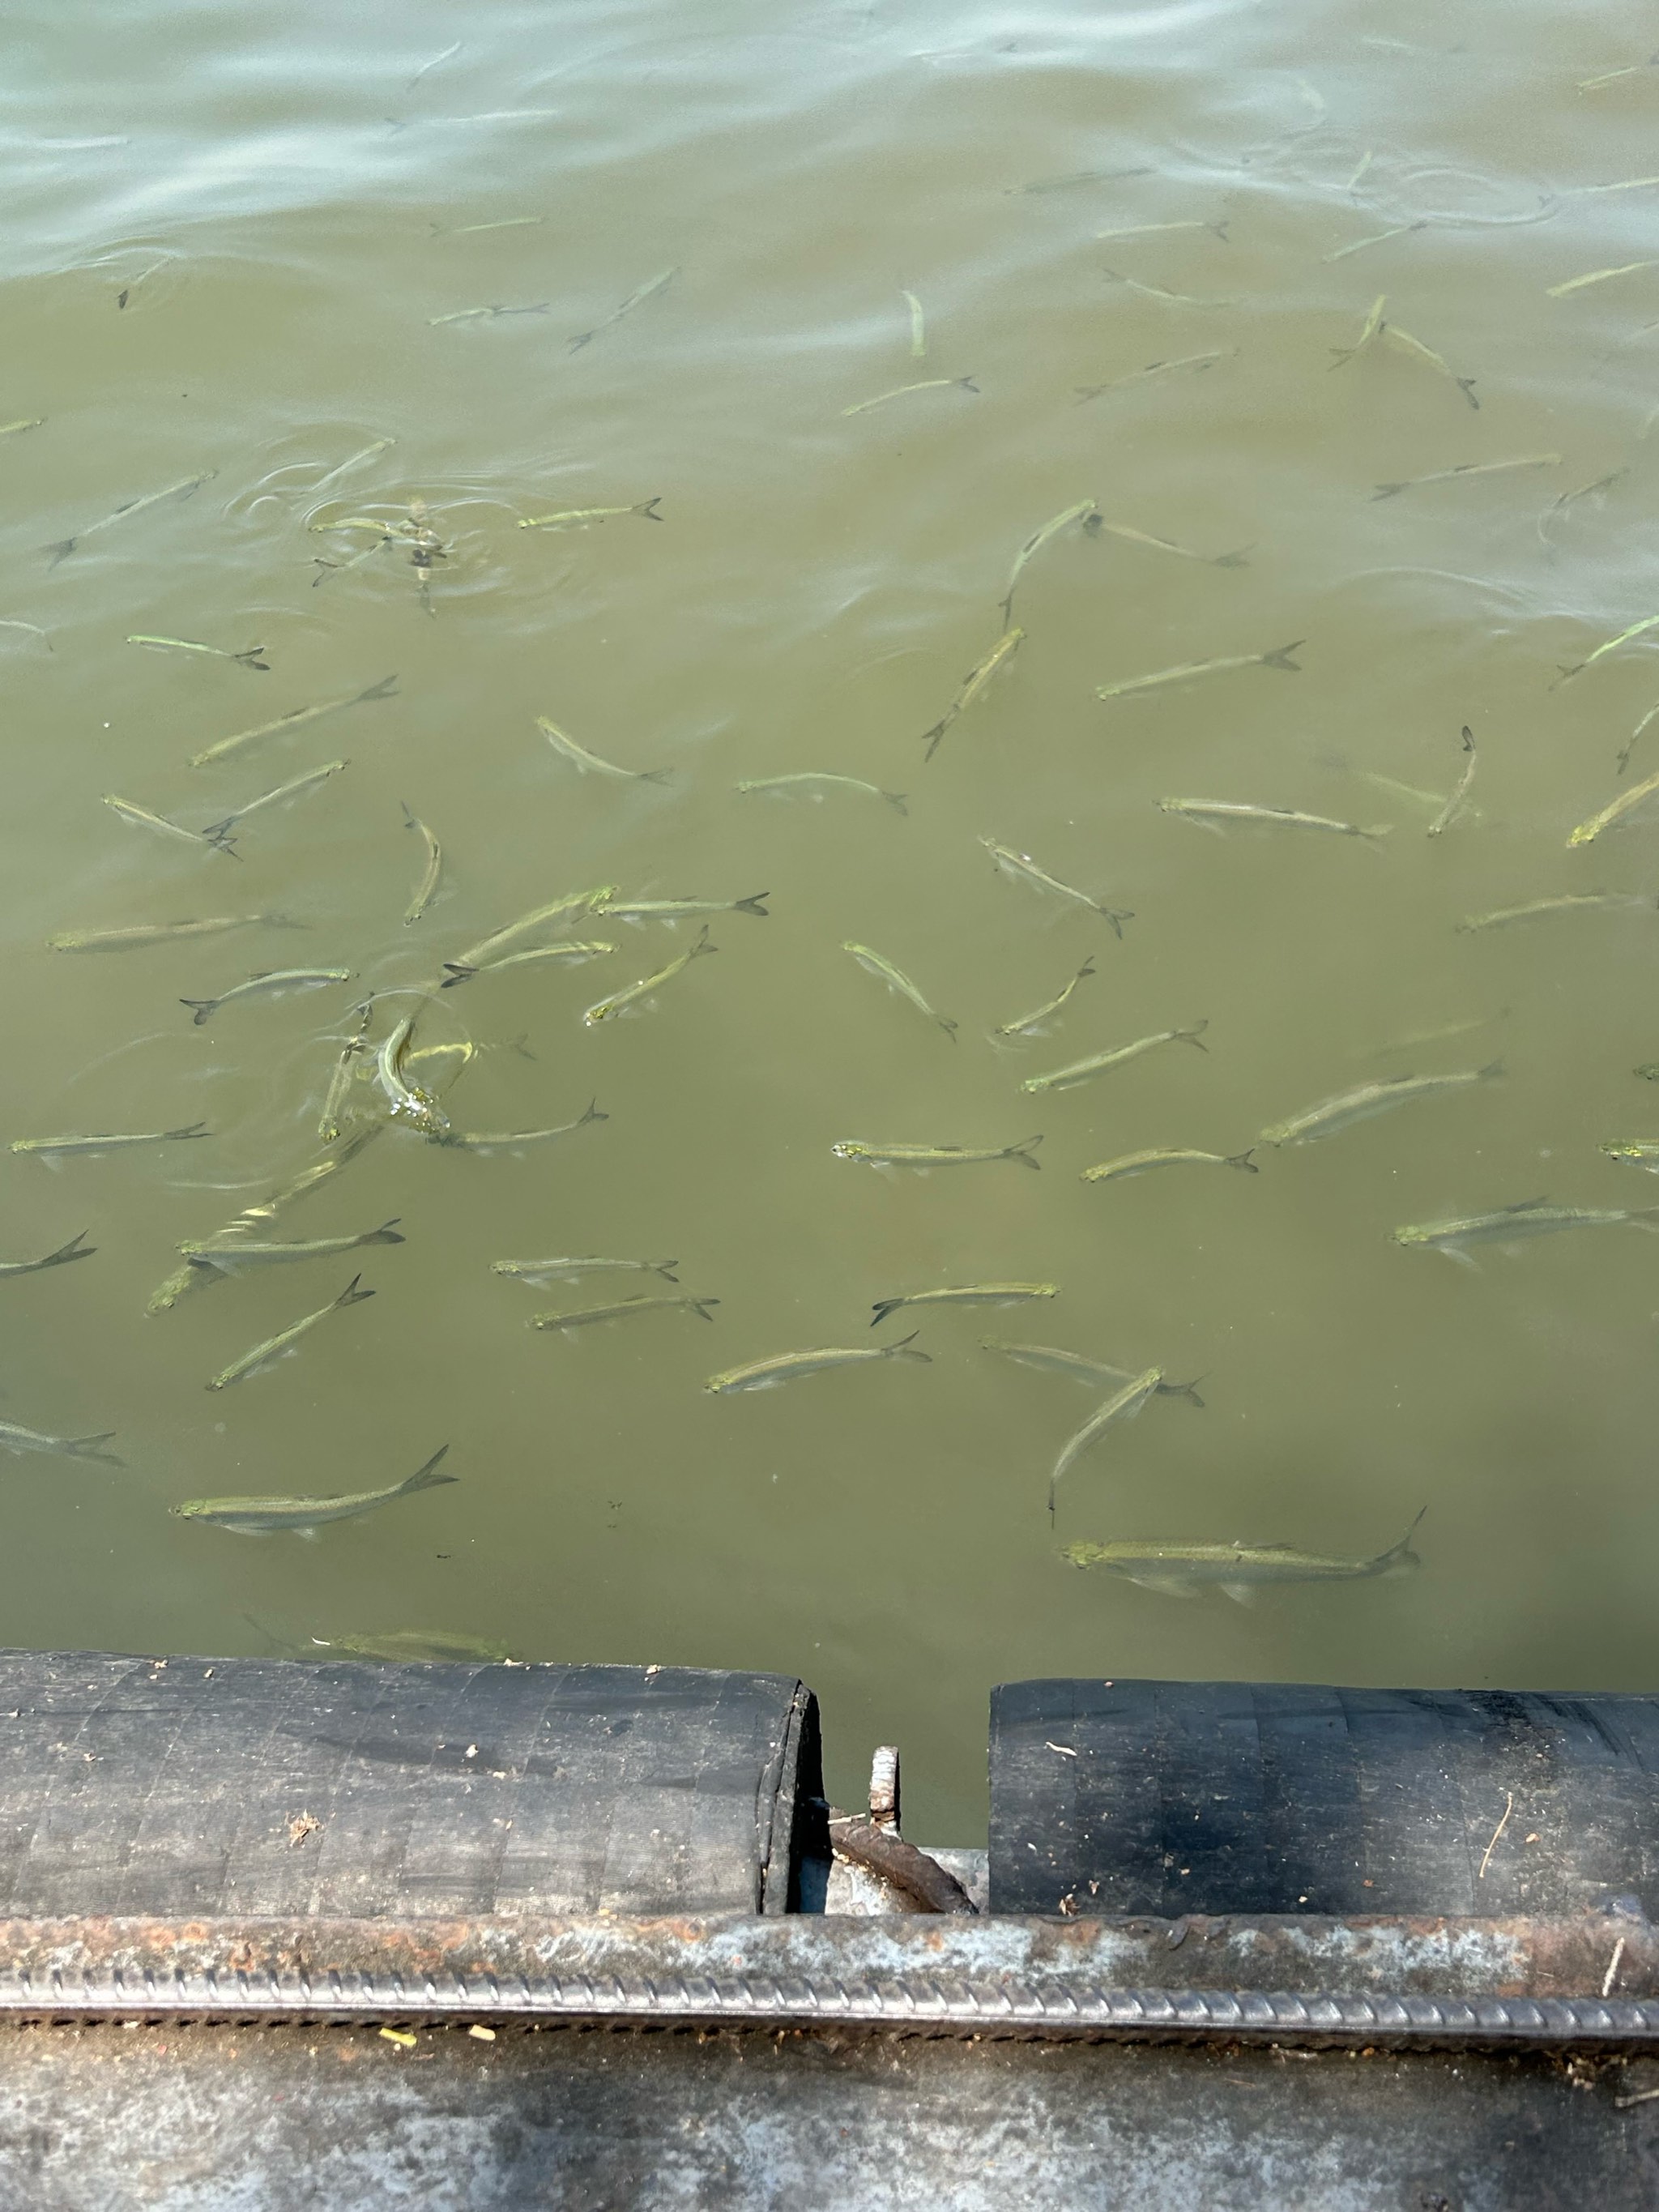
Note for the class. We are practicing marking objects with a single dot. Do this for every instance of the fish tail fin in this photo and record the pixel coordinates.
(1280, 657)
(1087, 969)
(1188, 1390)
(1646, 1217)
(647, 509)
(1466, 386)
(76, 1248)
(200, 1009)
(1242, 1160)
(1114, 917)
(388, 1233)
(756, 903)
(701, 1307)
(351, 1296)
(654, 775)
(1233, 560)
(189, 1129)
(1008, 609)
(1193, 1036)
(1375, 832)
(1022, 1152)
(967, 384)
(592, 1113)
(1221, 230)
(384, 689)
(666, 1269)
(1492, 1070)
(931, 738)
(903, 1348)
(249, 657)
(218, 832)
(1387, 491)
(896, 798)
(456, 971)
(88, 1448)
(409, 821)
(702, 944)
(881, 1309)
(427, 1477)
(947, 1025)
(1401, 1554)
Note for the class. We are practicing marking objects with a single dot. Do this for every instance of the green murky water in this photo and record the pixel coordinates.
(288, 203)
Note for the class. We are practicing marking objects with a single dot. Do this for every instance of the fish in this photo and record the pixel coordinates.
(250, 656)
(780, 787)
(182, 490)
(579, 517)
(1214, 813)
(294, 719)
(1596, 277)
(489, 314)
(303, 1516)
(1133, 536)
(426, 890)
(76, 1248)
(1157, 292)
(1614, 811)
(1147, 229)
(1567, 903)
(472, 229)
(604, 1010)
(1023, 866)
(370, 453)
(1028, 1025)
(791, 1366)
(1529, 1217)
(1612, 76)
(262, 1212)
(408, 1102)
(1135, 1164)
(269, 980)
(1196, 363)
(448, 54)
(1180, 1569)
(1084, 511)
(1558, 506)
(1432, 1036)
(1080, 1071)
(26, 422)
(619, 1311)
(1611, 645)
(415, 1645)
(340, 1078)
(972, 686)
(1077, 177)
(1123, 1405)
(214, 839)
(540, 1273)
(1278, 658)
(135, 934)
(1374, 237)
(575, 950)
(1639, 1153)
(559, 913)
(505, 1140)
(16, 1438)
(966, 1294)
(918, 327)
(1333, 1115)
(902, 390)
(47, 1147)
(935, 1156)
(230, 1257)
(1414, 349)
(1453, 804)
(1468, 468)
(296, 788)
(585, 760)
(276, 1348)
(1096, 1371)
(1648, 1071)
(633, 300)
(1370, 331)
(1624, 184)
(876, 964)
(641, 911)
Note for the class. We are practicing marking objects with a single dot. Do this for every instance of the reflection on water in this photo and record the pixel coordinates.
(457, 468)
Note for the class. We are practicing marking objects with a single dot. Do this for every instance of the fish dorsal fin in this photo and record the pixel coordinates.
(1524, 1205)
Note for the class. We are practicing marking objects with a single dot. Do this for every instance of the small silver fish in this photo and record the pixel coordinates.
(76, 1248)
(507, 1140)
(1122, 1405)
(1135, 1164)
(1368, 1099)
(924, 1157)
(16, 1438)
(49, 1147)
(303, 1516)
(271, 982)
(965, 1294)
(1278, 658)
(1029, 1024)
(791, 1366)
(1084, 511)
(1080, 1071)
(230, 1256)
(814, 782)
(1529, 1217)
(164, 932)
(182, 490)
(648, 291)
(1216, 813)
(876, 964)
(295, 719)
(622, 1001)
(296, 788)
(901, 391)
(1568, 902)
(276, 1347)
(1050, 1359)
(586, 761)
(623, 1310)
(579, 517)
(1023, 866)
(1238, 1570)
(215, 839)
(1468, 468)
(540, 1273)
(973, 685)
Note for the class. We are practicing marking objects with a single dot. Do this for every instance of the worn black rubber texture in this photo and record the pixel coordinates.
(191, 1786)
(1173, 1797)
